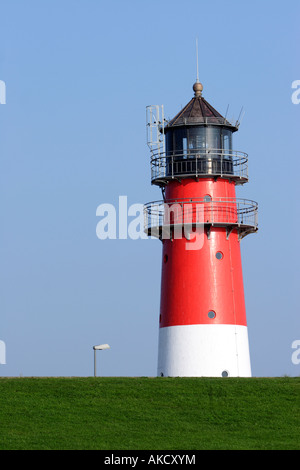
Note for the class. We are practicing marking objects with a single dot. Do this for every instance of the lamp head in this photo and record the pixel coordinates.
(101, 346)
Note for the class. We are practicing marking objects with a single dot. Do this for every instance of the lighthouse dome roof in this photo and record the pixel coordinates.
(198, 111)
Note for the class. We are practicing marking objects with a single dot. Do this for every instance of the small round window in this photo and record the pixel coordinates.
(211, 314)
(225, 373)
(219, 255)
(207, 198)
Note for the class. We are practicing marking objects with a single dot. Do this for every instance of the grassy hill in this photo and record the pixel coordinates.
(149, 413)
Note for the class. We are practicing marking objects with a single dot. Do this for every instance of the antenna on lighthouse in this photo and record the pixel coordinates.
(197, 87)
(239, 119)
(197, 60)
(226, 111)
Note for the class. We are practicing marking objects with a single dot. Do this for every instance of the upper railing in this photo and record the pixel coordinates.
(199, 163)
(238, 214)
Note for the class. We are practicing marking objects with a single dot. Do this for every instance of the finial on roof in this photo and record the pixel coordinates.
(198, 87)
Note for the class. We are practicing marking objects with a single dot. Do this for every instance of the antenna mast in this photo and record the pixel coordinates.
(197, 80)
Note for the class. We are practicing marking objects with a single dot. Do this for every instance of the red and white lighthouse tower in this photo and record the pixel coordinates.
(202, 321)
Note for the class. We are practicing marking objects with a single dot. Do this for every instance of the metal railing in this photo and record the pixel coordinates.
(241, 214)
(198, 163)
(217, 120)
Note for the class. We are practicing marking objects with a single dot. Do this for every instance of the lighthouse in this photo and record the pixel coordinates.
(200, 222)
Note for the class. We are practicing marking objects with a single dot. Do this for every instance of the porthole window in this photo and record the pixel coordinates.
(207, 198)
(219, 255)
(211, 314)
(225, 373)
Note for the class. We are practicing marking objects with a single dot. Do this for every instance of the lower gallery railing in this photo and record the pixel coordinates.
(236, 213)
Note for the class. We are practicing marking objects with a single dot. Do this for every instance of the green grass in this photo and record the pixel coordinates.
(149, 413)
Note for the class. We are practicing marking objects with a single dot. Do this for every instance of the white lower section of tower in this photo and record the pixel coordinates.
(204, 351)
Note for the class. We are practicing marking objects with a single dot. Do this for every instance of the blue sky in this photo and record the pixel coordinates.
(79, 75)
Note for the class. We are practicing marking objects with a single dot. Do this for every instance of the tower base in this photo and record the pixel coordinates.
(204, 351)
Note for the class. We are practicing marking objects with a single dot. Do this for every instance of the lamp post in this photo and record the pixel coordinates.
(100, 347)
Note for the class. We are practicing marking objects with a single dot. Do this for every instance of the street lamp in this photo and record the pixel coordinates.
(98, 348)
